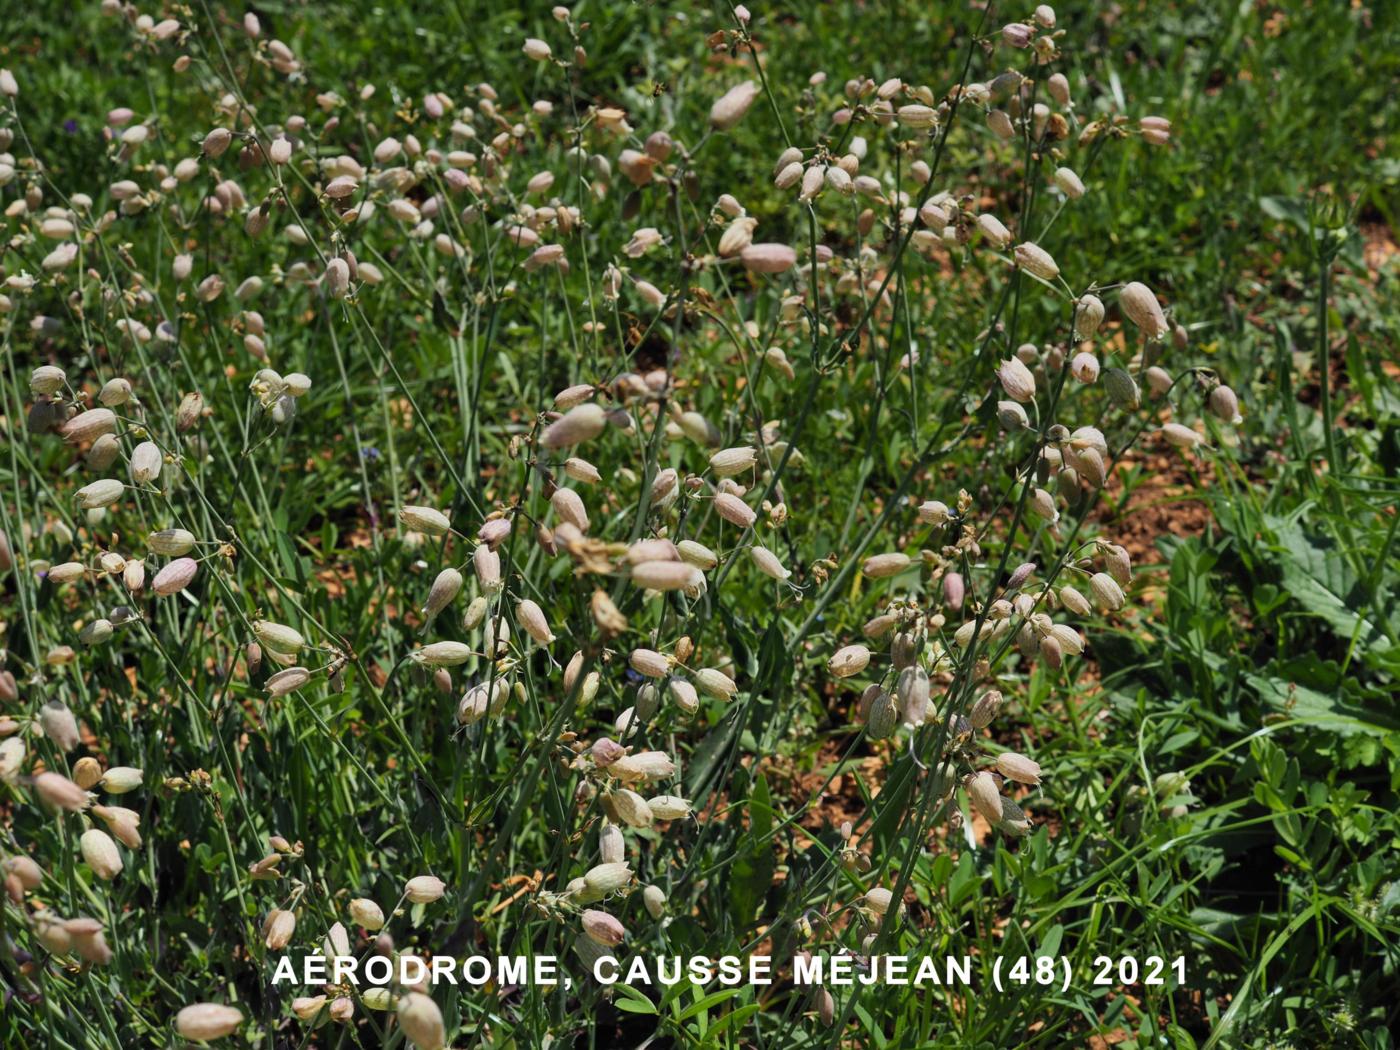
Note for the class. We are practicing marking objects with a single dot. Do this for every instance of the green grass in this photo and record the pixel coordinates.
(1220, 767)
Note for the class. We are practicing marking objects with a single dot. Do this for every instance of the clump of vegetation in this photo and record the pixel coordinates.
(689, 482)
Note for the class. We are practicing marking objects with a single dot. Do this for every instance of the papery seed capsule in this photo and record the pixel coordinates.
(278, 928)
(768, 563)
(1036, 261)
(654, 899)
(120, 779)
(66, 572)
(46, 380)
(1017, 380)
(1017, 34)
(986, 797)
(286, 681)
(581, 423)
(1084, 367)
(1118, 562)
(568, 507)
(277, 637)
(89, 425)
(912, 693)
(768, 258)
(1069, 183)
(649, 662)
(715, 683)
(731, 107)
(1106, 591)
(175, 577)
(880, 566)
(1141, 307)
(189, 411)
(59, 725)
(882, 718)
(57, 790)
(205, 1021)
(669, 807)
(878, 900)
(366, 913)
(445, 588)
(734, 510)
(1018, 768)
(1224, 405)
(644, 765)
(665, 575)
(1122, 389)
(985, 709)
(171, 542)
(604, 879)
(731, 461)
(96, 632)
(685, 695)
(421, 1019)
(582, 470)
(424, 889)
(1181, 436)
(1074, 601)
(993, 229)
(443, 654)
(102, 454)
(849, 660)
(1088, 315)
(86, 773)
(602, 928)
(425, 520)
(1067, 638)
(532, 618)
(146, 461)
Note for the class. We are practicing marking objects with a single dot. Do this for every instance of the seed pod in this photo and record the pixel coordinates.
(1066, 638)
(146, 461)
(644, 765)
(607, 878)
(278, 638)
(1224, 405)
(532, 618)
(287, 681)
(1181, 436)
(665, 575)
(881, 566)
(568, 507)
(175, 577)
(171, 542)
(581, 470)
(189, 411)
(849, 660)
(768, 258)
(205, 1021)
(366, 913)
(880, 723)
(715, 684)
(1084, 367)
(278, 928)
(217, 141)
(57, 790)
(96, 632)
(731, 107)
(685, 695)
(443, 654)
(1088, 315)
(879, 900)
(1141, 307)
(1074, 601)
(1106, 591)
(649, 662)
(424, 889)
(418, 1014)
(985, 709)
(912, 692)
(986, 798)
(88, 426)
(654, 899)
(602, 928)
(953, 590)
(1122, 389)
(1036, 261)
(120, 779)
(1069, 183)
(731, 461)
(580, 423)
(1018, 768)
(425, 520)
(100, 853)
(1017, 380)
(734, 510)
(100, 493)
(445, 588)
(994, 229)
(768, 563)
